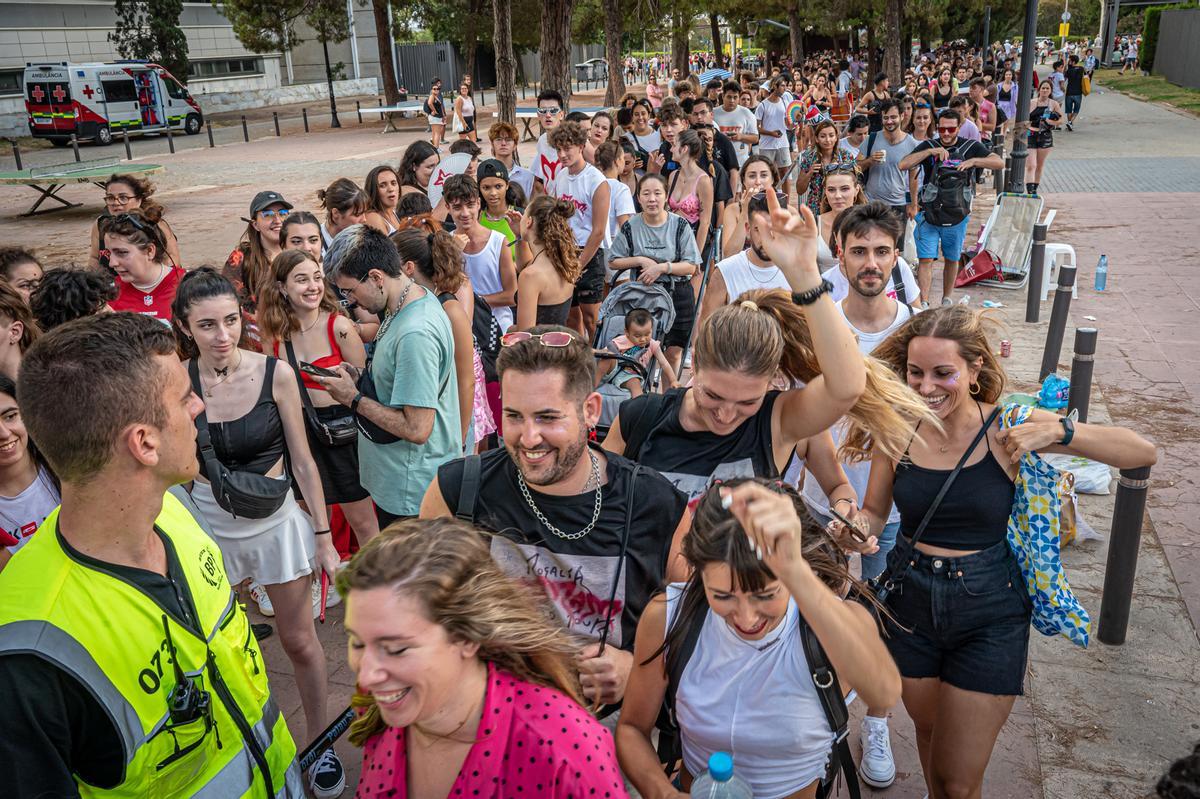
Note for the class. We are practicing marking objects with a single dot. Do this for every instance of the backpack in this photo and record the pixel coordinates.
(486, 332)
(829, 692)
(946, 199)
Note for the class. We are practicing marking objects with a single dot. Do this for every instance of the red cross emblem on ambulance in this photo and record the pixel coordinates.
(37, 94)
(59, 93)
(88, 90)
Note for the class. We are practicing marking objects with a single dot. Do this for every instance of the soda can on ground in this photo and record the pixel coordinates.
(1005, 348)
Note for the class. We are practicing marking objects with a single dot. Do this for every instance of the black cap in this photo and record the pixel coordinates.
(491, 168)
(265, 198)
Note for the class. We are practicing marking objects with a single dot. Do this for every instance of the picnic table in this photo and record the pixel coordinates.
(389, 112)
(527, 115)
(48, 181)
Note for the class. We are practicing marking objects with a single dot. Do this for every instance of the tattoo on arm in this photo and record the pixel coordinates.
(341, 334)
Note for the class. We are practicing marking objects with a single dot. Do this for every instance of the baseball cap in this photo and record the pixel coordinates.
(491, 168)
(265, 198)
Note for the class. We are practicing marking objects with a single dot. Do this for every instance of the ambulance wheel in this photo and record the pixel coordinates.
(103, 135)
(191, 125)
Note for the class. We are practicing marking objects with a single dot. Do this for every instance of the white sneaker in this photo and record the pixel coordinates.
(259, 595)
(877, 768)
(331, 598)
(327, 778)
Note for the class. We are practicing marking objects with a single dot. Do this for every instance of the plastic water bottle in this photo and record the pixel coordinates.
(966, 300)
(1102, 273)
(719, 782)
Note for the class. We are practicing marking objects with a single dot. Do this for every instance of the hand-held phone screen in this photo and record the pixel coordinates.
(316, 371)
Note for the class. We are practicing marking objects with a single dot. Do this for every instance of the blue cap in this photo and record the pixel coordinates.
(720, 766)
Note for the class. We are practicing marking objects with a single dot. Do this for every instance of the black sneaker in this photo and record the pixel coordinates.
(1070, 126)
(327, 778)
(261, 631)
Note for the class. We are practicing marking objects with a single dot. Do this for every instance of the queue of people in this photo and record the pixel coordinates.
(537, 595)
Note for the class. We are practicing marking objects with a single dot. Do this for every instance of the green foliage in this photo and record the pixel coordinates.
(1150, 32)
(150, 29)
(265, 27)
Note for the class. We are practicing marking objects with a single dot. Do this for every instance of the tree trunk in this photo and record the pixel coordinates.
(556, 47)
(715, 29)
(506, 62)
(613, 23)
(892, 42)
(471, 39)
(680, 28)
(795, 34)
(383, 39)
(333, 116)
(872, 56)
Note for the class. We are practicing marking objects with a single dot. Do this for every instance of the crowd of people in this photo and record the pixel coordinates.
(605, 456)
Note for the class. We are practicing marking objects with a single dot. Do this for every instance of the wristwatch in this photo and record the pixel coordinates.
(1068, 431)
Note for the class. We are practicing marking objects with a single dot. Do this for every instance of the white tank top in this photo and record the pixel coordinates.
(484, 270)
(755, 700)
(741, 276)
(825, 259)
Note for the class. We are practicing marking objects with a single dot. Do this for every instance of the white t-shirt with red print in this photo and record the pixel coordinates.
(545, 165)
(579, 189)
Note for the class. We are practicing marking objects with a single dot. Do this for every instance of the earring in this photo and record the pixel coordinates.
(974, 389)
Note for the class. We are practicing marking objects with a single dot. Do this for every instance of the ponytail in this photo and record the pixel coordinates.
(767, 332)
(434, 253)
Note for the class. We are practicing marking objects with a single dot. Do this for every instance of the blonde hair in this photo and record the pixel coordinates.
(447, 567)
(767, 333)
(964, 326)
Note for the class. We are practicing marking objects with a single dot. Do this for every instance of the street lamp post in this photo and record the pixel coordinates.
(1020, 151)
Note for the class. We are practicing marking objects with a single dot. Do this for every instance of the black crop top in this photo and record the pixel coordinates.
(974, 513)
(251, 443)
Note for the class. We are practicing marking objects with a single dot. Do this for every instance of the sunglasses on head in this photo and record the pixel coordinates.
(554, 338)
(132, 219)
(849, 169)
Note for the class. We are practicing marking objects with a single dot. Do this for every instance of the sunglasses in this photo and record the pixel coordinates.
(554, 338)
(847, 168)
(760, 198)
(268, 214)
(133, 220)
(945, 129)
(550, 111)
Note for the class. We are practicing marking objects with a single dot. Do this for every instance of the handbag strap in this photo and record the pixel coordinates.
(911, 543)
(306, 400)
(212, 465)
(612, 596)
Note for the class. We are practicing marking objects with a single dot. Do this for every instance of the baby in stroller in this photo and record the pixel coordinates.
(638, 343)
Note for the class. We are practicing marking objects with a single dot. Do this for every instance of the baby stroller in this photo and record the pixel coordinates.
(620, 301)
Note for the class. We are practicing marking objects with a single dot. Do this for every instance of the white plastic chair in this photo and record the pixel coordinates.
(1058, 255)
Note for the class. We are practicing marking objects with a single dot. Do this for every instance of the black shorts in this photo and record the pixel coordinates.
(965, 620)
(684, 301)
(589, 288)
(338, 466)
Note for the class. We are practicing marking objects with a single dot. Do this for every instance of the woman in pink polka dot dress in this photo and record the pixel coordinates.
(466, 683)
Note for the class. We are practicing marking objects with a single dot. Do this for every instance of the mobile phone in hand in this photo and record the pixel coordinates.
(316, 371)
(851, 527)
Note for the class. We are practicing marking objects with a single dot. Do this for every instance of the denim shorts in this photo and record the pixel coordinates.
(1074, 103)
(930, 236)
(965, 620)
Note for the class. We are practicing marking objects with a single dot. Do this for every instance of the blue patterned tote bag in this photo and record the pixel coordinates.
(1035, 527)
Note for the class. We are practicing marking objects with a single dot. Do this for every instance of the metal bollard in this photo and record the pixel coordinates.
(358, 110)
(275, 117)
(17, 154)
(170, 139)
(1037, 268)
(1058, 321)
(1123, 540)
(128, 149)
(1080, 392)
(304, 113)
(208, 125)
(245, 130)
(75, 146)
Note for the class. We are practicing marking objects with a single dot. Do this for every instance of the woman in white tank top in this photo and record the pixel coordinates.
(747, 688)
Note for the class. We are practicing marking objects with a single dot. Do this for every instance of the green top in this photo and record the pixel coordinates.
(501, 227)
(413, 365)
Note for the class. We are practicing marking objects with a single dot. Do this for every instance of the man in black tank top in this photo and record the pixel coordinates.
(566, 514)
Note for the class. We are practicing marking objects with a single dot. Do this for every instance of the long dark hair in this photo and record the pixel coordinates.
(202, 283)
(7, 386)
(717, 537)
(414, 156)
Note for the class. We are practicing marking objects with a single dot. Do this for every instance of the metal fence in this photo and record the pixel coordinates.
(1177, 56)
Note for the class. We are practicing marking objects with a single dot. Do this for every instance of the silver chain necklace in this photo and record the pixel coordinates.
(594, 480)
(387, 319)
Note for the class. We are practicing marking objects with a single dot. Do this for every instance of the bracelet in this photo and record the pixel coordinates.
(812, 295)
(354, 402)
(322, 532)
(843, 499)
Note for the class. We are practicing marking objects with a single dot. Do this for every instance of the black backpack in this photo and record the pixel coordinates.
(946, 199)
(829, 691)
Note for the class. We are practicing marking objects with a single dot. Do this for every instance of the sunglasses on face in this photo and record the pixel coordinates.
(554, 338)
(945, 129)
(550, 111)
(269, 214)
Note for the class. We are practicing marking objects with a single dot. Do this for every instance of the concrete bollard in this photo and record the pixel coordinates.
(304, 113)
(128, 149)
(1080, 392)
(275, 118)
(16, 154)
(245, 130)
(1128, 512)
(1058, 321)
(75, 147)
(208, 127)
(1037, 268)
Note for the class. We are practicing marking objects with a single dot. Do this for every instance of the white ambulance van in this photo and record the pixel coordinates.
(98, 101)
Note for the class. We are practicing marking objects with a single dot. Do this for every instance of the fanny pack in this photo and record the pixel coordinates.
(338, 432)
(366, 386)
(246, 494)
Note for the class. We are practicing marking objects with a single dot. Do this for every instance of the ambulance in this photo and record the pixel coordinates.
(98, 101)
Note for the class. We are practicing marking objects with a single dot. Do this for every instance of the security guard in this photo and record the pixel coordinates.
(127, 667)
